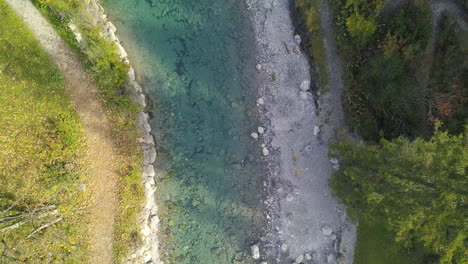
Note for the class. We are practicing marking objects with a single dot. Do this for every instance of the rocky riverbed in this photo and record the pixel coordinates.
(305, 222)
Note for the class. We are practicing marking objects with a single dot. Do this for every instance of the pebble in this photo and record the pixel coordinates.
(326, 230)
(265, 152)
(261, 130)
(255, 251)
(299, 259)
(316, 130)
(254, 135)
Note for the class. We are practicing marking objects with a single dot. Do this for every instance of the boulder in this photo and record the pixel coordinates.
(261, 130)
(254, 135)
(148, 171)
(265, 152)
(297, 39)
(131, 74)
(284, 247)
(258, 67)
(316, 130)
(260, 101)
(305, 85)
(111, 26)
(327, 230)
(299, 259)
(255, 251)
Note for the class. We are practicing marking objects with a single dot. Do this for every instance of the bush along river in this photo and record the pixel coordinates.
(195, 60)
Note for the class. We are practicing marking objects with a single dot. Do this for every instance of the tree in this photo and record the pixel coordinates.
(419, 186)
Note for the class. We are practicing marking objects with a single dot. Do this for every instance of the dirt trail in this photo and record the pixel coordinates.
(101, 152)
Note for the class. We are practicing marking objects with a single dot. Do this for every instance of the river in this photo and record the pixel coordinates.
(196, 61)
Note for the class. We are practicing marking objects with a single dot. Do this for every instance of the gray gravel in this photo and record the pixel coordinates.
(302, 209)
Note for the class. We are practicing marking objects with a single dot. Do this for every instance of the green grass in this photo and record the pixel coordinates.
(110, 73)
(376, 245)
(41, 146)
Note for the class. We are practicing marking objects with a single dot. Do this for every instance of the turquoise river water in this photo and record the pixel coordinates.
(195, 60)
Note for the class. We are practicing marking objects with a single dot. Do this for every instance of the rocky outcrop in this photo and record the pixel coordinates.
(148, 251)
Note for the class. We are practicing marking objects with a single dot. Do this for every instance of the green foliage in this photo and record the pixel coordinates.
(41, 146)
(382, 95)
(419, 186)
(449, 76)
(361, 28)
(309, 26)
(110, 73)
(376, 244)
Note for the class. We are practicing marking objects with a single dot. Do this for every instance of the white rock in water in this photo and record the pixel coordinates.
(121, 51)
(334, 161)
(148, 171)
(258, 67)
(316, 130)
(303, 95)
(284, 247)
(299, 259)
(255, 251)
(260, 101)
(289, 197)
(297, 39)
(305, 85)
(326, 230)
(308, 256)
(261, 130)
(265, 152)
(131, 74)
(254, 135)
(111, 27)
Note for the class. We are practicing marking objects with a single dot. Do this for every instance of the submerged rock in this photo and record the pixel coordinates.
(260, 101)
(258, 67)
(265, 152)
(261, 130)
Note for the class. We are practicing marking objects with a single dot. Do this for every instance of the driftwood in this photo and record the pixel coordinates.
(45, 226)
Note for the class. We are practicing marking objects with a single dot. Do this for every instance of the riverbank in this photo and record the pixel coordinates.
(305, 221)
(87, 31)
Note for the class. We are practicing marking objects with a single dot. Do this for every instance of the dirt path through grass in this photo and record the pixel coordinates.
(101, 152)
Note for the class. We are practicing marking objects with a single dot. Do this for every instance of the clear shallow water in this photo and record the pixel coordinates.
(195, 59)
